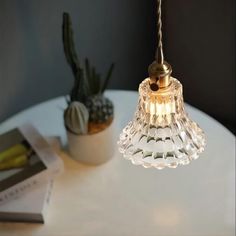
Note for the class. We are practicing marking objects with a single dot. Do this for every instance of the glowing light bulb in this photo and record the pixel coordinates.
(161, 134)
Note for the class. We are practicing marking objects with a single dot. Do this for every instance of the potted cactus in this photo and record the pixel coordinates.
(88, 118)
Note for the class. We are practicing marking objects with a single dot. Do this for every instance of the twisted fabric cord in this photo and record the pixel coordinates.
(159, 51)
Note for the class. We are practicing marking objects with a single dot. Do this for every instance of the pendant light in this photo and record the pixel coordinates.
(161, 133)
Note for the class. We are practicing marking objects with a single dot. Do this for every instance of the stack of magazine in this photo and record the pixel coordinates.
(28, 166)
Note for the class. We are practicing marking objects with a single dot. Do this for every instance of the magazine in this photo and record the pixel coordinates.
(26, 160)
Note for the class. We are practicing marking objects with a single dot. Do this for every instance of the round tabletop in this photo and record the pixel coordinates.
(120, 199)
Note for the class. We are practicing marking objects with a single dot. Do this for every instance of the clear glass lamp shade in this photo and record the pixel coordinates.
(161, 134)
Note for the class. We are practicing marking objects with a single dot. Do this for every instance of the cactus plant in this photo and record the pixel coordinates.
(89, 86)
(76, 118)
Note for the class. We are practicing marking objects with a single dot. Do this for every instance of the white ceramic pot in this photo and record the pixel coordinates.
(92, 149)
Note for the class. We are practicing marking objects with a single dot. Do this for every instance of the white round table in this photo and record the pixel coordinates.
(120, 199)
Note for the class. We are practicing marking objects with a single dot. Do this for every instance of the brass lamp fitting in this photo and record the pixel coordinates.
(159, 74)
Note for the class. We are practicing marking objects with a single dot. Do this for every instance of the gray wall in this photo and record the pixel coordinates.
(200, 44)
(198, 38)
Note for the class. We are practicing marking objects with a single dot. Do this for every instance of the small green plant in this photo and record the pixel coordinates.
(76, 118)
(88, 87)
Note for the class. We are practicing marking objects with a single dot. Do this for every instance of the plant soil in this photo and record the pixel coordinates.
(98, 127)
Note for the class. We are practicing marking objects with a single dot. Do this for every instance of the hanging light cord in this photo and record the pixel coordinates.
(159, 51)
(159, 71)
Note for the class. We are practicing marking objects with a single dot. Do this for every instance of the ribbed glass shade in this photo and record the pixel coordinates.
(161, 134)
